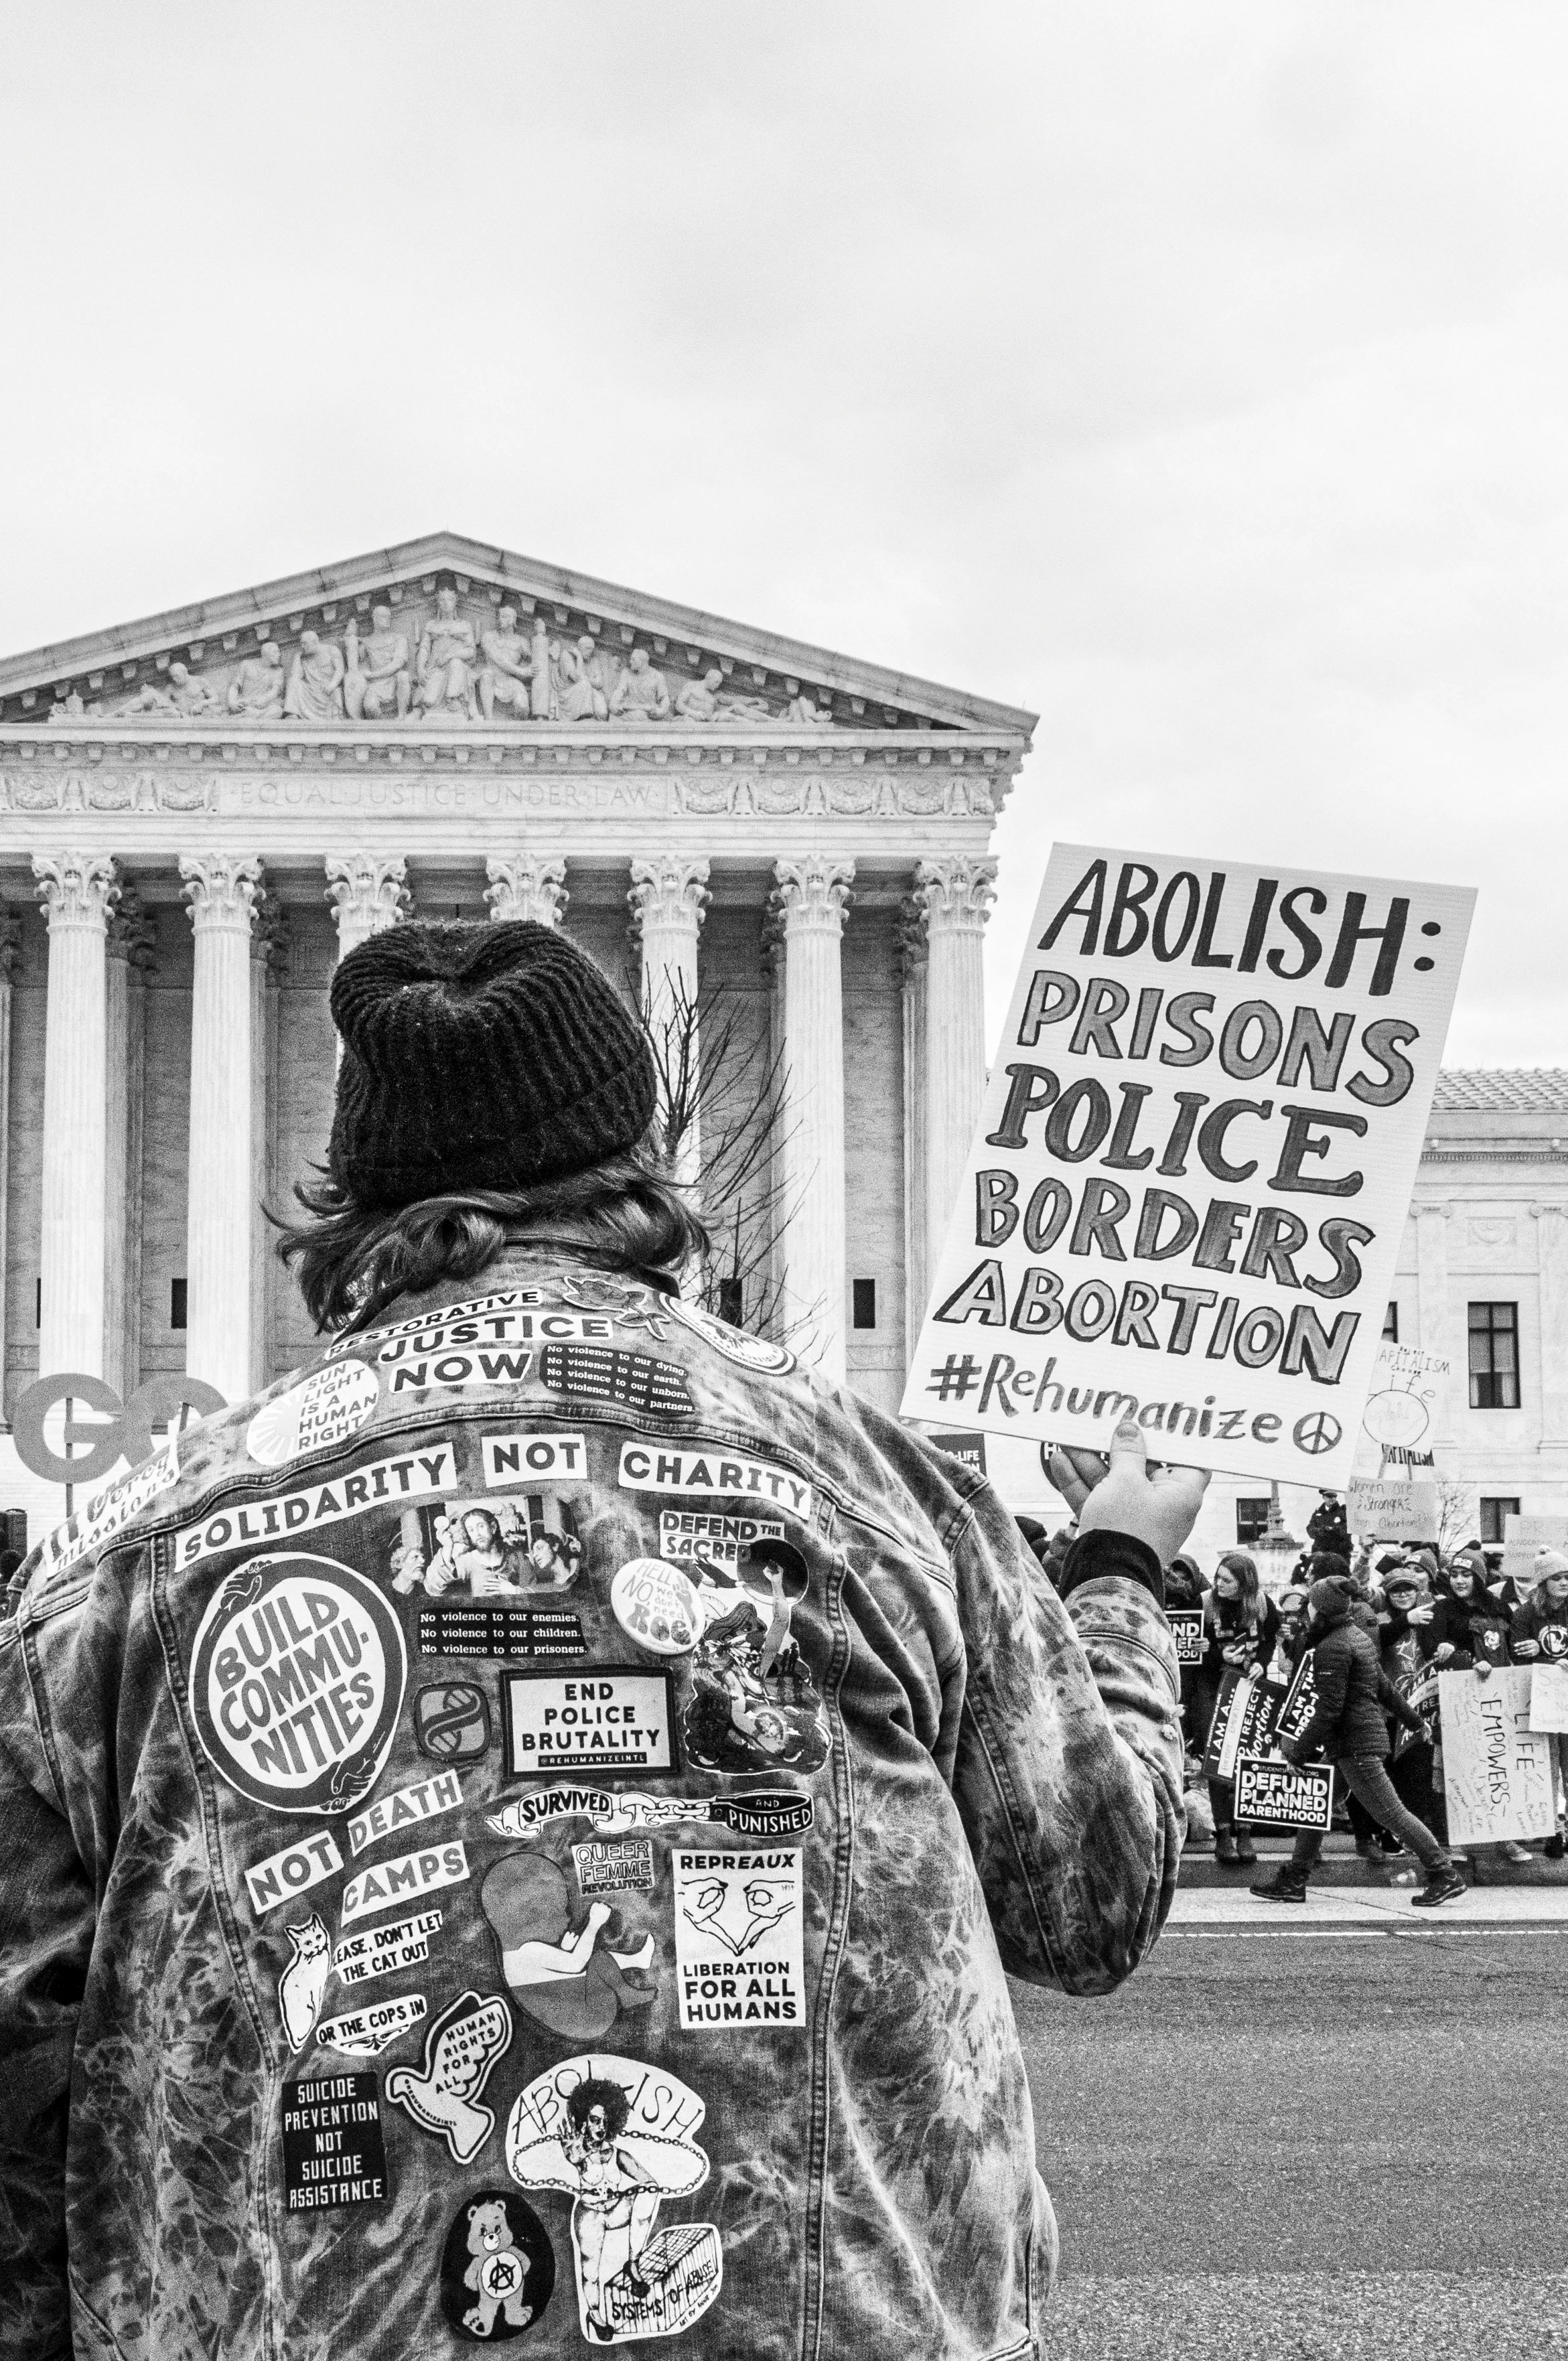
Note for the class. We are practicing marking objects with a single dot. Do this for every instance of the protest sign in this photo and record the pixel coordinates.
(1244, 1717)
(1497, 1771)
(1392, 1512)
(1192, 1169)
(1299, 1705)
(1522, 1536)
(1419, 1691)
(1274, 1794)
(1549, 1697)
(1187, 1631)
(970, 1449)
(1402, 1413)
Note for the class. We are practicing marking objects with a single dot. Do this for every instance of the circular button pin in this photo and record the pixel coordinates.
(656, 1605)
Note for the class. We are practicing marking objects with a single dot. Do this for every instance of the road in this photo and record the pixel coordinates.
(1299, 2141)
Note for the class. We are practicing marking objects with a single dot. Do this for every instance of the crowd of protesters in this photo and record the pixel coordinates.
(1377, 1622)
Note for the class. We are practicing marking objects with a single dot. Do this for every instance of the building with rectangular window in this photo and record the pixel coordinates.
(1483, 1281)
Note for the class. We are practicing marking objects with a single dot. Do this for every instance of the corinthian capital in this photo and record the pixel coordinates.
(957, 894)
(77, 889)
(132, 935)
(812, 896)
(221, 889)
(668, 893)
(521, 888)
(368, 894)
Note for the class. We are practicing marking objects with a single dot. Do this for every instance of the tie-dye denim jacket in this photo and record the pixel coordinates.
(516, 1833)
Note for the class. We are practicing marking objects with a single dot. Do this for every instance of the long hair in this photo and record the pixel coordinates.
(350, 1261)
(1249, 1601)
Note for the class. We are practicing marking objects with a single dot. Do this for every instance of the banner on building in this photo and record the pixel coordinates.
(1380, 1512)
(1274, 1794)
(1496, 1771)
(1194, 1163)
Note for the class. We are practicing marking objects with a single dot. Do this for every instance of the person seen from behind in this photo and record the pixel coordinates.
(1348, 1730)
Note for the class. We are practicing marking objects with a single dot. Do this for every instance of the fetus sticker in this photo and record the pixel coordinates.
(574, 1980)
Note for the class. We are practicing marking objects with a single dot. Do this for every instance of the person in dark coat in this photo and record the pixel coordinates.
(1326, 1527)
(1348, 1728)
(1468, 1625)
(1185, 1587)
(1242, 1624)
(1539, 1635)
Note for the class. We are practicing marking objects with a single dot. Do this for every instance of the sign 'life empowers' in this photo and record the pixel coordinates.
(1194, 1163)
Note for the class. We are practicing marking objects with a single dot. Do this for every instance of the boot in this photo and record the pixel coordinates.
(1442, 1885)
(1225, 1848)
(1245, 1856)
(1553, 1849)
(1288, 1883)
(1367, 1850)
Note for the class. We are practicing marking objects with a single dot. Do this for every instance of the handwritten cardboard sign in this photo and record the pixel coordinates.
(1497, 1771)
(1192, 1170)
(1549, 1697)
(1392, 1511)
(1522, 1536)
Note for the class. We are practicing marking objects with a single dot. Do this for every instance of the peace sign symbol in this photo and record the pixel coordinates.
(1317, 1433)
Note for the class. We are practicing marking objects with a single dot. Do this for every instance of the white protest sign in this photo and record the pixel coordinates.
(1190, 1179)
(1392, 1512)
(1497, 1771)
(1402, 1405)
(1549, 1697)
(1522, 1536)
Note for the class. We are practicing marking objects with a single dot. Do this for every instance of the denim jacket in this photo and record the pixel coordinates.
(518, 1831)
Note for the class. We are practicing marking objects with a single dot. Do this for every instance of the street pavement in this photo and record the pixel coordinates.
(1302, 2133)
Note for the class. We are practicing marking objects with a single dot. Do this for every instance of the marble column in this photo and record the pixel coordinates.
(1432, 1317)
(269, 953)
(368, 892)
(10, 951)
(78, 890)
(522, 886)
(957, 895)
(667, 901)
(1551, 1259)
(912, 974)
(221, 889)
(811, 897)
(778, 1067)
(131, 937)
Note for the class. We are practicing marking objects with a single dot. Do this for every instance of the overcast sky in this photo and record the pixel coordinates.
(1195, 376)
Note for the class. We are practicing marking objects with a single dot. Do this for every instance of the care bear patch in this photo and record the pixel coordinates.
(498, 2269)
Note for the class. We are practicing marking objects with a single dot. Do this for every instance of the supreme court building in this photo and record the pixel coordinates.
(201, 812)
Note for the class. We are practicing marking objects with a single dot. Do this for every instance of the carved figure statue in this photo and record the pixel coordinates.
(315, 681)
(378, 681)
(256, 692)
(150, 699)
(191, 697)
(446, 661)
(69, 708)
(581, 684)
(705, 701)
(507, 668)
(805, 709)
(641, 692)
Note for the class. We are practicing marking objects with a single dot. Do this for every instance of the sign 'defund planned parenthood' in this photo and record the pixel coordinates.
(1194, 1165)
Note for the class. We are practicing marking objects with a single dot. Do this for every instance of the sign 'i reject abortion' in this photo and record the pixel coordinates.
(1193, 1172)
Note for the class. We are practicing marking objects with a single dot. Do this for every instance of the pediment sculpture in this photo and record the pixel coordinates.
(448, 663)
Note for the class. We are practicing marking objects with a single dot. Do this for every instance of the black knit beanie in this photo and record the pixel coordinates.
(479, 1056)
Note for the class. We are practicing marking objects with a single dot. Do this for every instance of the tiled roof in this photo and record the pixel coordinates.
(1509, 1090)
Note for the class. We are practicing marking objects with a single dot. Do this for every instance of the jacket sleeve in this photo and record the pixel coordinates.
(48, 1911)
(1067, 1767)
